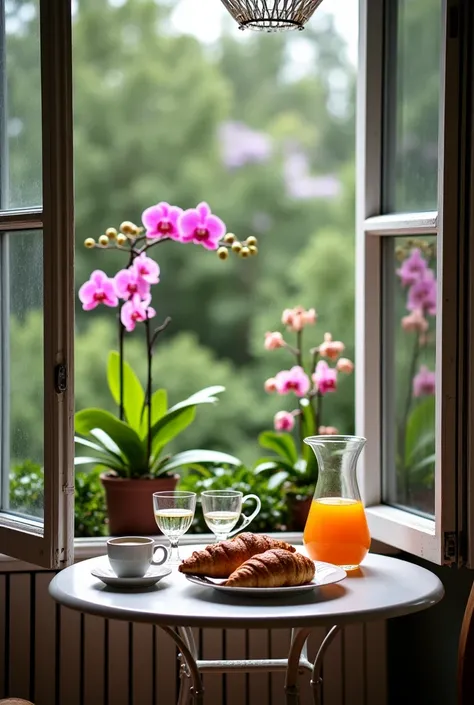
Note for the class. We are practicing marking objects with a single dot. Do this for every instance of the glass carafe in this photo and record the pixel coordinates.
(336, 530)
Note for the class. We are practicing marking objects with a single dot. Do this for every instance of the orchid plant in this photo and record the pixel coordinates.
(295, 464)
(416, 413)
(132, 444)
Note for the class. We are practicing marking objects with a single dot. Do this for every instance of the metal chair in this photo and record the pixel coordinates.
(465, 655)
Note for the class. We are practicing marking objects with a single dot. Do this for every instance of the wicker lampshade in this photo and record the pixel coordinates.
(271, 15)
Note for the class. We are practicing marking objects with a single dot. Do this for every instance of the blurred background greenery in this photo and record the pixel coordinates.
(260, 126)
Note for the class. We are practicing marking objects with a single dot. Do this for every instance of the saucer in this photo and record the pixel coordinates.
(151, 577)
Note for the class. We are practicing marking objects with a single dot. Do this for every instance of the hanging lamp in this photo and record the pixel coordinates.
(271, 15)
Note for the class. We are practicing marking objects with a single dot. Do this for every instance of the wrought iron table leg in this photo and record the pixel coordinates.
(316, 679)
(298, 644)
(191, 688)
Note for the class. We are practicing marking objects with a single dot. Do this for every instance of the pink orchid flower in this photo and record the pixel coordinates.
(413, 268)
(324, 377)
(162, 221)
(270, 385)
(415, 322)
(331, 348)
(297, 318)
(274, 340)
(328, 431)
(283, 421)
(422, 294)
(99, 289)
(200, 226)
(135, 310)
(424, 383)
(146, 268)
(345, 365)
(294, 380)
(128, 284)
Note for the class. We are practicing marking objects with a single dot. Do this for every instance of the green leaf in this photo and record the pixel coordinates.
(281, 443)
(200, 457)
(277, 480)
(159, 407)
(309, 429)
(133, 394)
(106, 463)
(420, 429)
(205, 396)
(125, 438)
(170, 426)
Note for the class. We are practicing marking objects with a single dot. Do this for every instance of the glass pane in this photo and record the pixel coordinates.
(23, 373)
(409, 372)
(412, 105)
(20, 105)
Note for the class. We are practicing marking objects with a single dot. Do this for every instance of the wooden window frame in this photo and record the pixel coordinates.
(50, 543)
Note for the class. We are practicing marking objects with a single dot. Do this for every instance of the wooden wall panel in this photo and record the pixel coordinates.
(70, 677)
(20, 627)
(44, 692)
(56, 656)
(118, 677)
(93, 658)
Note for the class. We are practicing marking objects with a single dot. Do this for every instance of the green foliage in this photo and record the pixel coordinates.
(90, 509)
(273, 514)
(117, 445)
(27, 488)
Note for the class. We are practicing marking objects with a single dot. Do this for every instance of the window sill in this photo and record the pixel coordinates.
(402, 530)
(90, 548)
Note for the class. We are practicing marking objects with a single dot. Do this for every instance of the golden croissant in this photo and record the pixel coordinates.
(274, 568)
(219, 560)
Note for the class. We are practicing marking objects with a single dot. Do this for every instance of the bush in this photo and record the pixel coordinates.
(273, 514)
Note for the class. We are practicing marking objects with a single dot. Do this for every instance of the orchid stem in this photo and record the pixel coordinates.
(149, 382)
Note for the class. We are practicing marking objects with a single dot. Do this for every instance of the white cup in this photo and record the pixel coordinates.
(131, 556)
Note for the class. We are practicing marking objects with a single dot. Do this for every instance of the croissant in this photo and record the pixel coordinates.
(221, 559)
(274, 568)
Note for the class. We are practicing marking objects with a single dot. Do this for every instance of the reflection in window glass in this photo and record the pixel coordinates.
(23, 369)
(413, 85)
(20, 105)
(410, 308)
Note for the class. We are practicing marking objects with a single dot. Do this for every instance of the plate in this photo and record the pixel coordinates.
(326, 574)
(151, 577)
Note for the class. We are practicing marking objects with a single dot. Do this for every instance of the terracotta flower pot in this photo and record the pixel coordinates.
(130, 504)
(298, 512)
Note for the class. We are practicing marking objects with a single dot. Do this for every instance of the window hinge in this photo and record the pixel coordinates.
(450, 547)
(60, 378)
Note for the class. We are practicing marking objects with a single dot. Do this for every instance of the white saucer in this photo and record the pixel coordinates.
(151, 577)
(326, 574)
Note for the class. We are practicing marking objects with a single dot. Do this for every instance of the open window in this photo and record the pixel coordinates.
(409, 272)
(36, 281)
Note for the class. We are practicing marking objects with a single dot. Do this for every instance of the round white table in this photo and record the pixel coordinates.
(384, 587)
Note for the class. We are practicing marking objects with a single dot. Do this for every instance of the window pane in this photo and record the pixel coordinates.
(412, 113)
(23, 373)
(409, 372)
(20, 101)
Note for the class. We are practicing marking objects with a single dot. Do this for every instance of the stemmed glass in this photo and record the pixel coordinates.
(222, 509)
(174, 513)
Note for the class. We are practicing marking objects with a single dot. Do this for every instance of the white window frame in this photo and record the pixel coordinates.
(437, 539)
(51, 543)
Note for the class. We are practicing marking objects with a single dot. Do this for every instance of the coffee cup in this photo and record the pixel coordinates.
(131, 556)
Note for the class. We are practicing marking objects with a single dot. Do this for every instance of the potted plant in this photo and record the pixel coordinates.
(131, 446)
(293, 466)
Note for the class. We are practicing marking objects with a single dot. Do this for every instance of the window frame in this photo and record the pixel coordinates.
(434, 539)
(51, 543)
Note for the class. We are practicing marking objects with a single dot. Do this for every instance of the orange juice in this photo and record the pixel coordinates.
(336, 532)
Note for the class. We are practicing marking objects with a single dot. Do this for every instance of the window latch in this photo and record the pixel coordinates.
(60, 378)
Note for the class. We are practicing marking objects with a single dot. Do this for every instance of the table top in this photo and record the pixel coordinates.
(385, 587)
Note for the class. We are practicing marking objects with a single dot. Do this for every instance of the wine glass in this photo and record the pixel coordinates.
(222, 509)
(174, 513)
